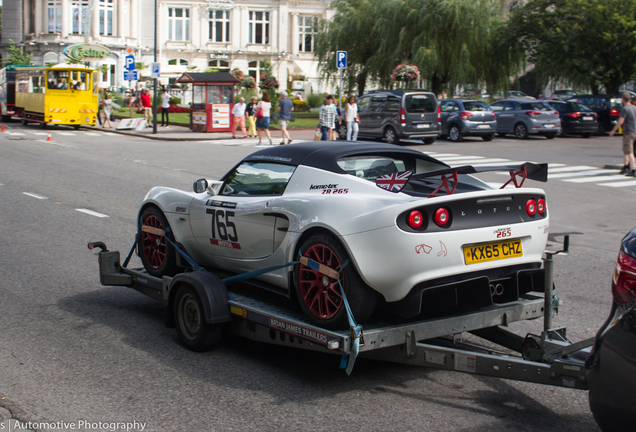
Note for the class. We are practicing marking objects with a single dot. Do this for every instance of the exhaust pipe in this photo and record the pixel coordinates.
(496, 290)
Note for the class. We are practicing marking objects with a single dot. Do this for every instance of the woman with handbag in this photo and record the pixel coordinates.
(108, 109)
(262, 117)
(352, 119)
(250, 112)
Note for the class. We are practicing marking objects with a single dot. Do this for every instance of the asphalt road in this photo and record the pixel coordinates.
(72, 350)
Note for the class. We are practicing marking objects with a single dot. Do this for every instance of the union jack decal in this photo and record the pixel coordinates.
(393, 182)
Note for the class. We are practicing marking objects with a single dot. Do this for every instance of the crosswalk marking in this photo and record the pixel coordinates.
(580, 173)
(619, 184)
(596, 179)
(65, 133)
(449, 158)
(480, 162)
(568, 168)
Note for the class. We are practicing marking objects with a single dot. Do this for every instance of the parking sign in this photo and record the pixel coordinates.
(341, 59)
(131, 75)
(130, 63)
(155, 70)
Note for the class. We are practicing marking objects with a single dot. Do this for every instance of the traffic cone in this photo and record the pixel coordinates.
(49, 137)
(3, 128)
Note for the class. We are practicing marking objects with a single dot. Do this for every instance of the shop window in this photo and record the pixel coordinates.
(220, 65)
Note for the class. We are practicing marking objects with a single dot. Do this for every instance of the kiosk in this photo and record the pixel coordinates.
(212, 100)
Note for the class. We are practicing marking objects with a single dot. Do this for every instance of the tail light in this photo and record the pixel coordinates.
(415, 219)
(614, 113)
(533, 113)
(531, 207)
(403, 117)
(624, 279)
(596, 115)
(439, 114)
(574, 115)
(541, 206)
(465, 115)
(494, 116)
(442, 217)
(556, 112)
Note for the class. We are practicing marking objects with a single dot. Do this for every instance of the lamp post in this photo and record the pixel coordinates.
(155, 82)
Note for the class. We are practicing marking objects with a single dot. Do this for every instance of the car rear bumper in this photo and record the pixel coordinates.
(479, 128)
(587, 127)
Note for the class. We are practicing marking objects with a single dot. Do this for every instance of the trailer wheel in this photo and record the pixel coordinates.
(24, 121)
(320, 297)
(196, 334)
(157, 255)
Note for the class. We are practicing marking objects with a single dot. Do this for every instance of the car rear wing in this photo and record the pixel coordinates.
(518, 175)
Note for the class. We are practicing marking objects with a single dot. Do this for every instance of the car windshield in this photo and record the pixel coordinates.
(579, 107)
(537, 106)
(252, 178)
(476, 106)
(370, 167)
(419, 103)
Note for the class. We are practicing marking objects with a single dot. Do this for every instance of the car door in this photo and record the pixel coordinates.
(238, 223)
(446, 113)
(364, 113)
(377, 114)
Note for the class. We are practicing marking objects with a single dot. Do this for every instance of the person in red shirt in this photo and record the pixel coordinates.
(146, 103)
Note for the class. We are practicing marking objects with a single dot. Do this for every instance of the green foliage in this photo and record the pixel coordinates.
(247, 94)
(141, 66)
(585, 42)
(266, 67)
(16, 56)
(175, 100)
(104, 68)
(314, 100)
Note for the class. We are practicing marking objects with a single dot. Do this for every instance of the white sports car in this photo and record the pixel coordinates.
(403, 230)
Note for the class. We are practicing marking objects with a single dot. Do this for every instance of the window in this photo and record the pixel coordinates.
(363, 103)
(58, 80)
(447, 106)
(254, 178)
(106, 17)
(258, 27)
(220, 65)
(79, 81)
(54, 16)
(370, 167)
(307, 33)
(175, 62)
(219, 25)
(419, 103)
(497, 106)
(512, 106)
(253, 70)
(178, 24)
(81, 14)
(537, 106)
(51, 58)
(476, 106)
(394, 104)
(377, 103)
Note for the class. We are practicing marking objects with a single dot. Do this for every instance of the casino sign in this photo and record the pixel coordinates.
(86, 52)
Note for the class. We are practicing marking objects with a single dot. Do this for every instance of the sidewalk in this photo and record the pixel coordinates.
(180, 133)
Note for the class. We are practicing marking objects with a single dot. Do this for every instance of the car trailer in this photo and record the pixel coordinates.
(201, 307)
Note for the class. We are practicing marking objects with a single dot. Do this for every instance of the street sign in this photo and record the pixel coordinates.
(155, 70)
(130, 63)
(131, 75)
(341, 59)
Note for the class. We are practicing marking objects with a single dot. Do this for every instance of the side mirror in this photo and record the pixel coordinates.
(200, 185)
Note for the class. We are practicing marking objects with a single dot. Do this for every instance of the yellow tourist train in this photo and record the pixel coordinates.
(58, 95)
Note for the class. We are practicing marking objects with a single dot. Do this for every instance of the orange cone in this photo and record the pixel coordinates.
(3, 127)
(49, 137)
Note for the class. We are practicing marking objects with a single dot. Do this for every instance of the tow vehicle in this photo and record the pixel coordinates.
(202, 306)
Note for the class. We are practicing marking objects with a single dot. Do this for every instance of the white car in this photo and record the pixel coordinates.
(404, 231)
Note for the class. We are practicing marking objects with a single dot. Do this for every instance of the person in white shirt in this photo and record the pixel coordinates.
(351, 118)
(238, 117)
(165, 107)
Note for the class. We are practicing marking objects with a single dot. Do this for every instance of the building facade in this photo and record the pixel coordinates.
(190, 34)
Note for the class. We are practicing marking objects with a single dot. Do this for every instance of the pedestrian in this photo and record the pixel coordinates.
(238, 117)
(540, 97)
(336, 123)
(165, 107)
(146, 103)
(327, 118)
(250, 112)
(262, 117)
(108, 109)
(627, 120)
(285, 108)
(100, 104)
(351, 119)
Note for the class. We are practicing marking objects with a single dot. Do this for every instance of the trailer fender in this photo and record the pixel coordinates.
(211, 291)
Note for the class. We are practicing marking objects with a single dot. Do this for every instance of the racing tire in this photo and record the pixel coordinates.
(455, 134)
(601, 129)
(320, 297)
(194, 332)
(551, 136)
(157, 254)
(429, 140)
(390, 136)
(586, 135)
(488, 137)
(521, 131)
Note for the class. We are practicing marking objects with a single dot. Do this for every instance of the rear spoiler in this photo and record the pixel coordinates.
(518, 175)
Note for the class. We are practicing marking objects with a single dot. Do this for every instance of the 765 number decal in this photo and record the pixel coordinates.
(224, 231)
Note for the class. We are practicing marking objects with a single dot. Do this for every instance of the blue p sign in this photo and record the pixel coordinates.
(341, 59)
(130, 63)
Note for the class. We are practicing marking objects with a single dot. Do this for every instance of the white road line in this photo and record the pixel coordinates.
(569, 168)
(555, 165)
(35, 195)
(596, 179)
(40, 133)
(92, 134)
(506, 162)
(92, 213)
(15, 133)
(481, 162)
(65, 133)
(449, 158)
(580, 173)
(619, 184)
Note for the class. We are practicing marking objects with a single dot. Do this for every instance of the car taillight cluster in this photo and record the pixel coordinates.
(533, 113)
(403, 117)
(442, 218)
(533, 207)
(574, 114)
(556, 112)
(439, 114)
(494, 116)
(465, 115)
(614, 113)
(624, 278)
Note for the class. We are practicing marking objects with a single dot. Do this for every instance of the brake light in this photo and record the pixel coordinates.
(442, 217)
(614, 113)
(492, 113)
(531, 207)
(541, 206)
(439, 114)
(415, 219)
(465, 115)
(624, 278)
(574, 115)
(556, 112)
(403, 117)
(596, 115)
(533, 113)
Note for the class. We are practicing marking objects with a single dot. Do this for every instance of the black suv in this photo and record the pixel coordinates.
(607, 107)
(395, 115)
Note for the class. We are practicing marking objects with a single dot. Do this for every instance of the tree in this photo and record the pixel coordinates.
(16, 56)
(585, 42)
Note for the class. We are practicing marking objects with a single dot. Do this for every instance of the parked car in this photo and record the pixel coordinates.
(564, 94)
(607, 107)
(576, 118)
(524, 118)
(611, 367)
(394, 115)
(461, 117)
(380, 217)
(513, 94)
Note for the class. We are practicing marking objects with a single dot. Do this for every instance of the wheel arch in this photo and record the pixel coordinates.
(210, 289)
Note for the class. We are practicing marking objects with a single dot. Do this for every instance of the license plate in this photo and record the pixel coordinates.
(483, 127)
(587, 118)
(549, 126)
(423, 126)
(492, 251)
